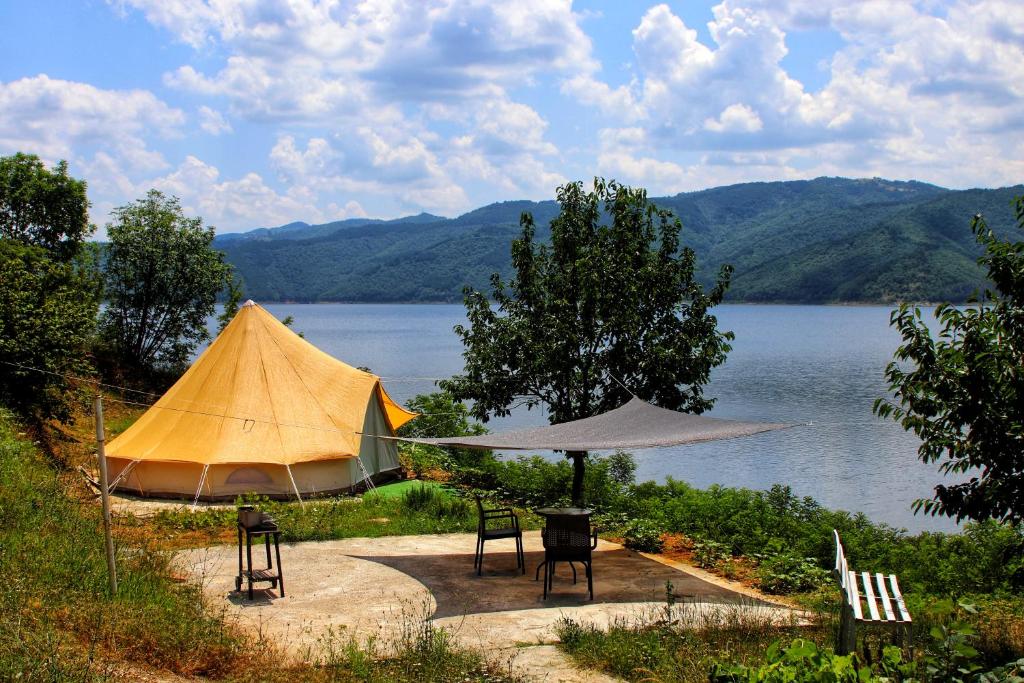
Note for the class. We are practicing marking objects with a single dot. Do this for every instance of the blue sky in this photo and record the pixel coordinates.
(261, 113)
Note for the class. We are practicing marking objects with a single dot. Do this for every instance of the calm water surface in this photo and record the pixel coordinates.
(820, 365)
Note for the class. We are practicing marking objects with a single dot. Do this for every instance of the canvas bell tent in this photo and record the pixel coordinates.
(261, 410)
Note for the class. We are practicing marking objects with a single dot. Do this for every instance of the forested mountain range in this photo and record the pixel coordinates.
(816, 241)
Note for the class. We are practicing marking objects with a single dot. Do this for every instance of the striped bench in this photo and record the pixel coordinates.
(867, 598)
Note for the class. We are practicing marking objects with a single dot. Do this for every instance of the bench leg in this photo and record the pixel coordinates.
(847, 640)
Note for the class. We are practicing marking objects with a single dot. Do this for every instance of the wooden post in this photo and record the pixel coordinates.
(105, 493)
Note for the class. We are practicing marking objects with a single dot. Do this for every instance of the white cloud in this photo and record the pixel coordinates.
(60, 119)
(913, 83)
(371, 163)
(212, 121)
(736, 118)
(244, 202)
(309, 59)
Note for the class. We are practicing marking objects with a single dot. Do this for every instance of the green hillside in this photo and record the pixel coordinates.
(822, 240)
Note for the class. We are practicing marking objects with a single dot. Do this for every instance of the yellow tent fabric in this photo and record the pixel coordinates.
(260, 394)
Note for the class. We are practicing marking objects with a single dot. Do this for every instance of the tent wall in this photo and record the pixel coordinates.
(173, 479)
(377, 455)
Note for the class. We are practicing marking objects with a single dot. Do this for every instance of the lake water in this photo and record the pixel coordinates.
(821, 365)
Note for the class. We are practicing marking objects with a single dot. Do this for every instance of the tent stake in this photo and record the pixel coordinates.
(199, 489)
(105, 493)
(296, 488)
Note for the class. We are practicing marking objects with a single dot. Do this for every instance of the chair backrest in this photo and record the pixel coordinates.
(840, 570)
(481, 521)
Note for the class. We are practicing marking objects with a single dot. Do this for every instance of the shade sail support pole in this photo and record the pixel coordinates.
(199, 489)
(294, 487)
(579, 459)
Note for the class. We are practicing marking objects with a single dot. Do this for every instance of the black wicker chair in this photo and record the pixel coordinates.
(568, 538)
(508, 527)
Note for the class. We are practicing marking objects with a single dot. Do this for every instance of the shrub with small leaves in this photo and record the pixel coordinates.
(789, 573)
(708, 554)
(643, 535)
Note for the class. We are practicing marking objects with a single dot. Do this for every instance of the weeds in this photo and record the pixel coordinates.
(683, 647)
(421, 651)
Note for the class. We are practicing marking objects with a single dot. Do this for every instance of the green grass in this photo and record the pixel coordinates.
(383, 513)
(398, 488)
(57, 617)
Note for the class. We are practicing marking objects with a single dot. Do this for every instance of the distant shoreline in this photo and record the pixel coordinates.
(849, 304)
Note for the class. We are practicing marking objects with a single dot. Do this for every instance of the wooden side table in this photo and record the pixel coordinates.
(267, 528)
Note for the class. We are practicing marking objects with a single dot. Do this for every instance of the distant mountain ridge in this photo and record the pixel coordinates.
(815, 241)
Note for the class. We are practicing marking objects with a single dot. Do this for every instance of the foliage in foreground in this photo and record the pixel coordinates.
(963, 391)
(682, 643)
(686, 642)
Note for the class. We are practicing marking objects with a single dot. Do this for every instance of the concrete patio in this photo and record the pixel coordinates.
(365, 587)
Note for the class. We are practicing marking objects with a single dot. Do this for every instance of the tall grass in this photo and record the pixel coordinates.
(683, 642)
(57, 617)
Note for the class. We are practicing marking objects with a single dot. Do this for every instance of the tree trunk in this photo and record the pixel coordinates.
(577, 476)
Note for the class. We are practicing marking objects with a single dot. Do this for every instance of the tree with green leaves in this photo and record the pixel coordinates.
(610, 303)
(42, 207)
(47, 323)
(162, 279)
(962, 391)
(50, 286)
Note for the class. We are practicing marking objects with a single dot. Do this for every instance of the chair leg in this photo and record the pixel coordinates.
(590, 578)
(573, 565)
(546, 568)
(248, 557)
(280, 570)
(480, 562)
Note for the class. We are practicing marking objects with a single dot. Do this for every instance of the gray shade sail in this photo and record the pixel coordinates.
(637, 424)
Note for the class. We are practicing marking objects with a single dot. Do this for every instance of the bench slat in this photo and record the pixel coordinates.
(883, 597)
(869, 596)
(898, 597)
(853, 596)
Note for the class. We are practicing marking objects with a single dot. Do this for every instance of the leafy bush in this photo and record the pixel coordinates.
(643, 535)
(788, 573)
(709, 554)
